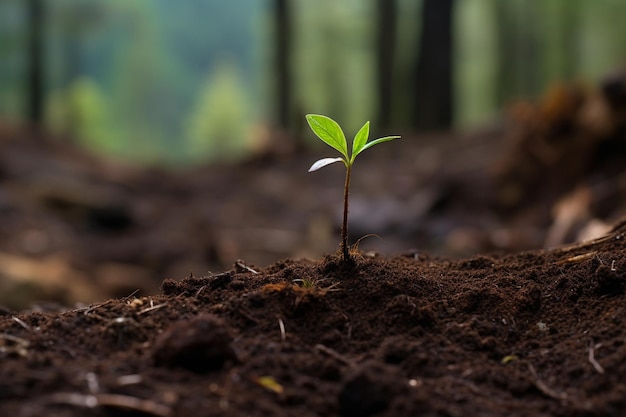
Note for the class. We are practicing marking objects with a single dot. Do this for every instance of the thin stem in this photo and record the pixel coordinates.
(344, 226)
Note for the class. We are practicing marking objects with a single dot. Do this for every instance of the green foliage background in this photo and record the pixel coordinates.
(165, 81)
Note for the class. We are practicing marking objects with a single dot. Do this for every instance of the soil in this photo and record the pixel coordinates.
(532, 334)
(472, 323)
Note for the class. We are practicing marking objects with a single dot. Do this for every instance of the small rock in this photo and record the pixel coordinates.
(201, 344)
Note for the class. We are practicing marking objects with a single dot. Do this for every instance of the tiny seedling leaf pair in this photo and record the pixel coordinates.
(330, 133)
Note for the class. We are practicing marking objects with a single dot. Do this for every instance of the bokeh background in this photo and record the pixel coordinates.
(201, 80)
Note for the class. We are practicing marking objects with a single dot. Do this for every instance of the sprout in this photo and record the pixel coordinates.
(330, 132)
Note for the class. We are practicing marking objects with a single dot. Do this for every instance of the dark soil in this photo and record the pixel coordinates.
(534, 334)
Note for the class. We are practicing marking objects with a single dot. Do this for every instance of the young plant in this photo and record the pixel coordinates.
(330, 133)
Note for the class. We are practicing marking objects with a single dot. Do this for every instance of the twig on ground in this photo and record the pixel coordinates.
(283, 335)
(21, 323)
(131, 295)
(112, 400)
(91, 308)
(334, 354)
(578, 258)
(541, 386)
(588, 243)
(592, 359)
(151, 308)
(240, 266)
(20, 345)
(200, 290)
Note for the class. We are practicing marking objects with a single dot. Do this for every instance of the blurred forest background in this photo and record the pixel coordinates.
(159, 81)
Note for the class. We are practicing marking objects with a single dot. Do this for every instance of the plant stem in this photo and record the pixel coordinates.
(344, 226)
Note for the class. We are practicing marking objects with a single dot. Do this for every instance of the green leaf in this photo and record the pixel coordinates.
(379, 140)
(359, 140)
(323, 162)
(328, 131)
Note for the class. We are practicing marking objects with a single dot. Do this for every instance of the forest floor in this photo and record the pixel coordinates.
(488, 329)
(533, 334)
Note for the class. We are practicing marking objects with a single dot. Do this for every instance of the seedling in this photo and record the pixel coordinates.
(330, 133)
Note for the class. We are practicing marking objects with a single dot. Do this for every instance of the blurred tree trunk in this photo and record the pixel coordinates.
(570, 37)
(386, 45)
(520, 71)
(333, 73)
(434, 104)
(282, 60)
(35, 69)
(531, 62)
(506, 83)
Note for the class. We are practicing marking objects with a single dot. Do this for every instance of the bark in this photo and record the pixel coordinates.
(434, 104)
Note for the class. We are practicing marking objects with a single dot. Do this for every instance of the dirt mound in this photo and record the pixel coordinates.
(536, 333)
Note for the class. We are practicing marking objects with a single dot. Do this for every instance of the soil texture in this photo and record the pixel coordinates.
(532, 334)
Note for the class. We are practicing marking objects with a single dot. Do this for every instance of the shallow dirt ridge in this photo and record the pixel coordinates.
(532, 334)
